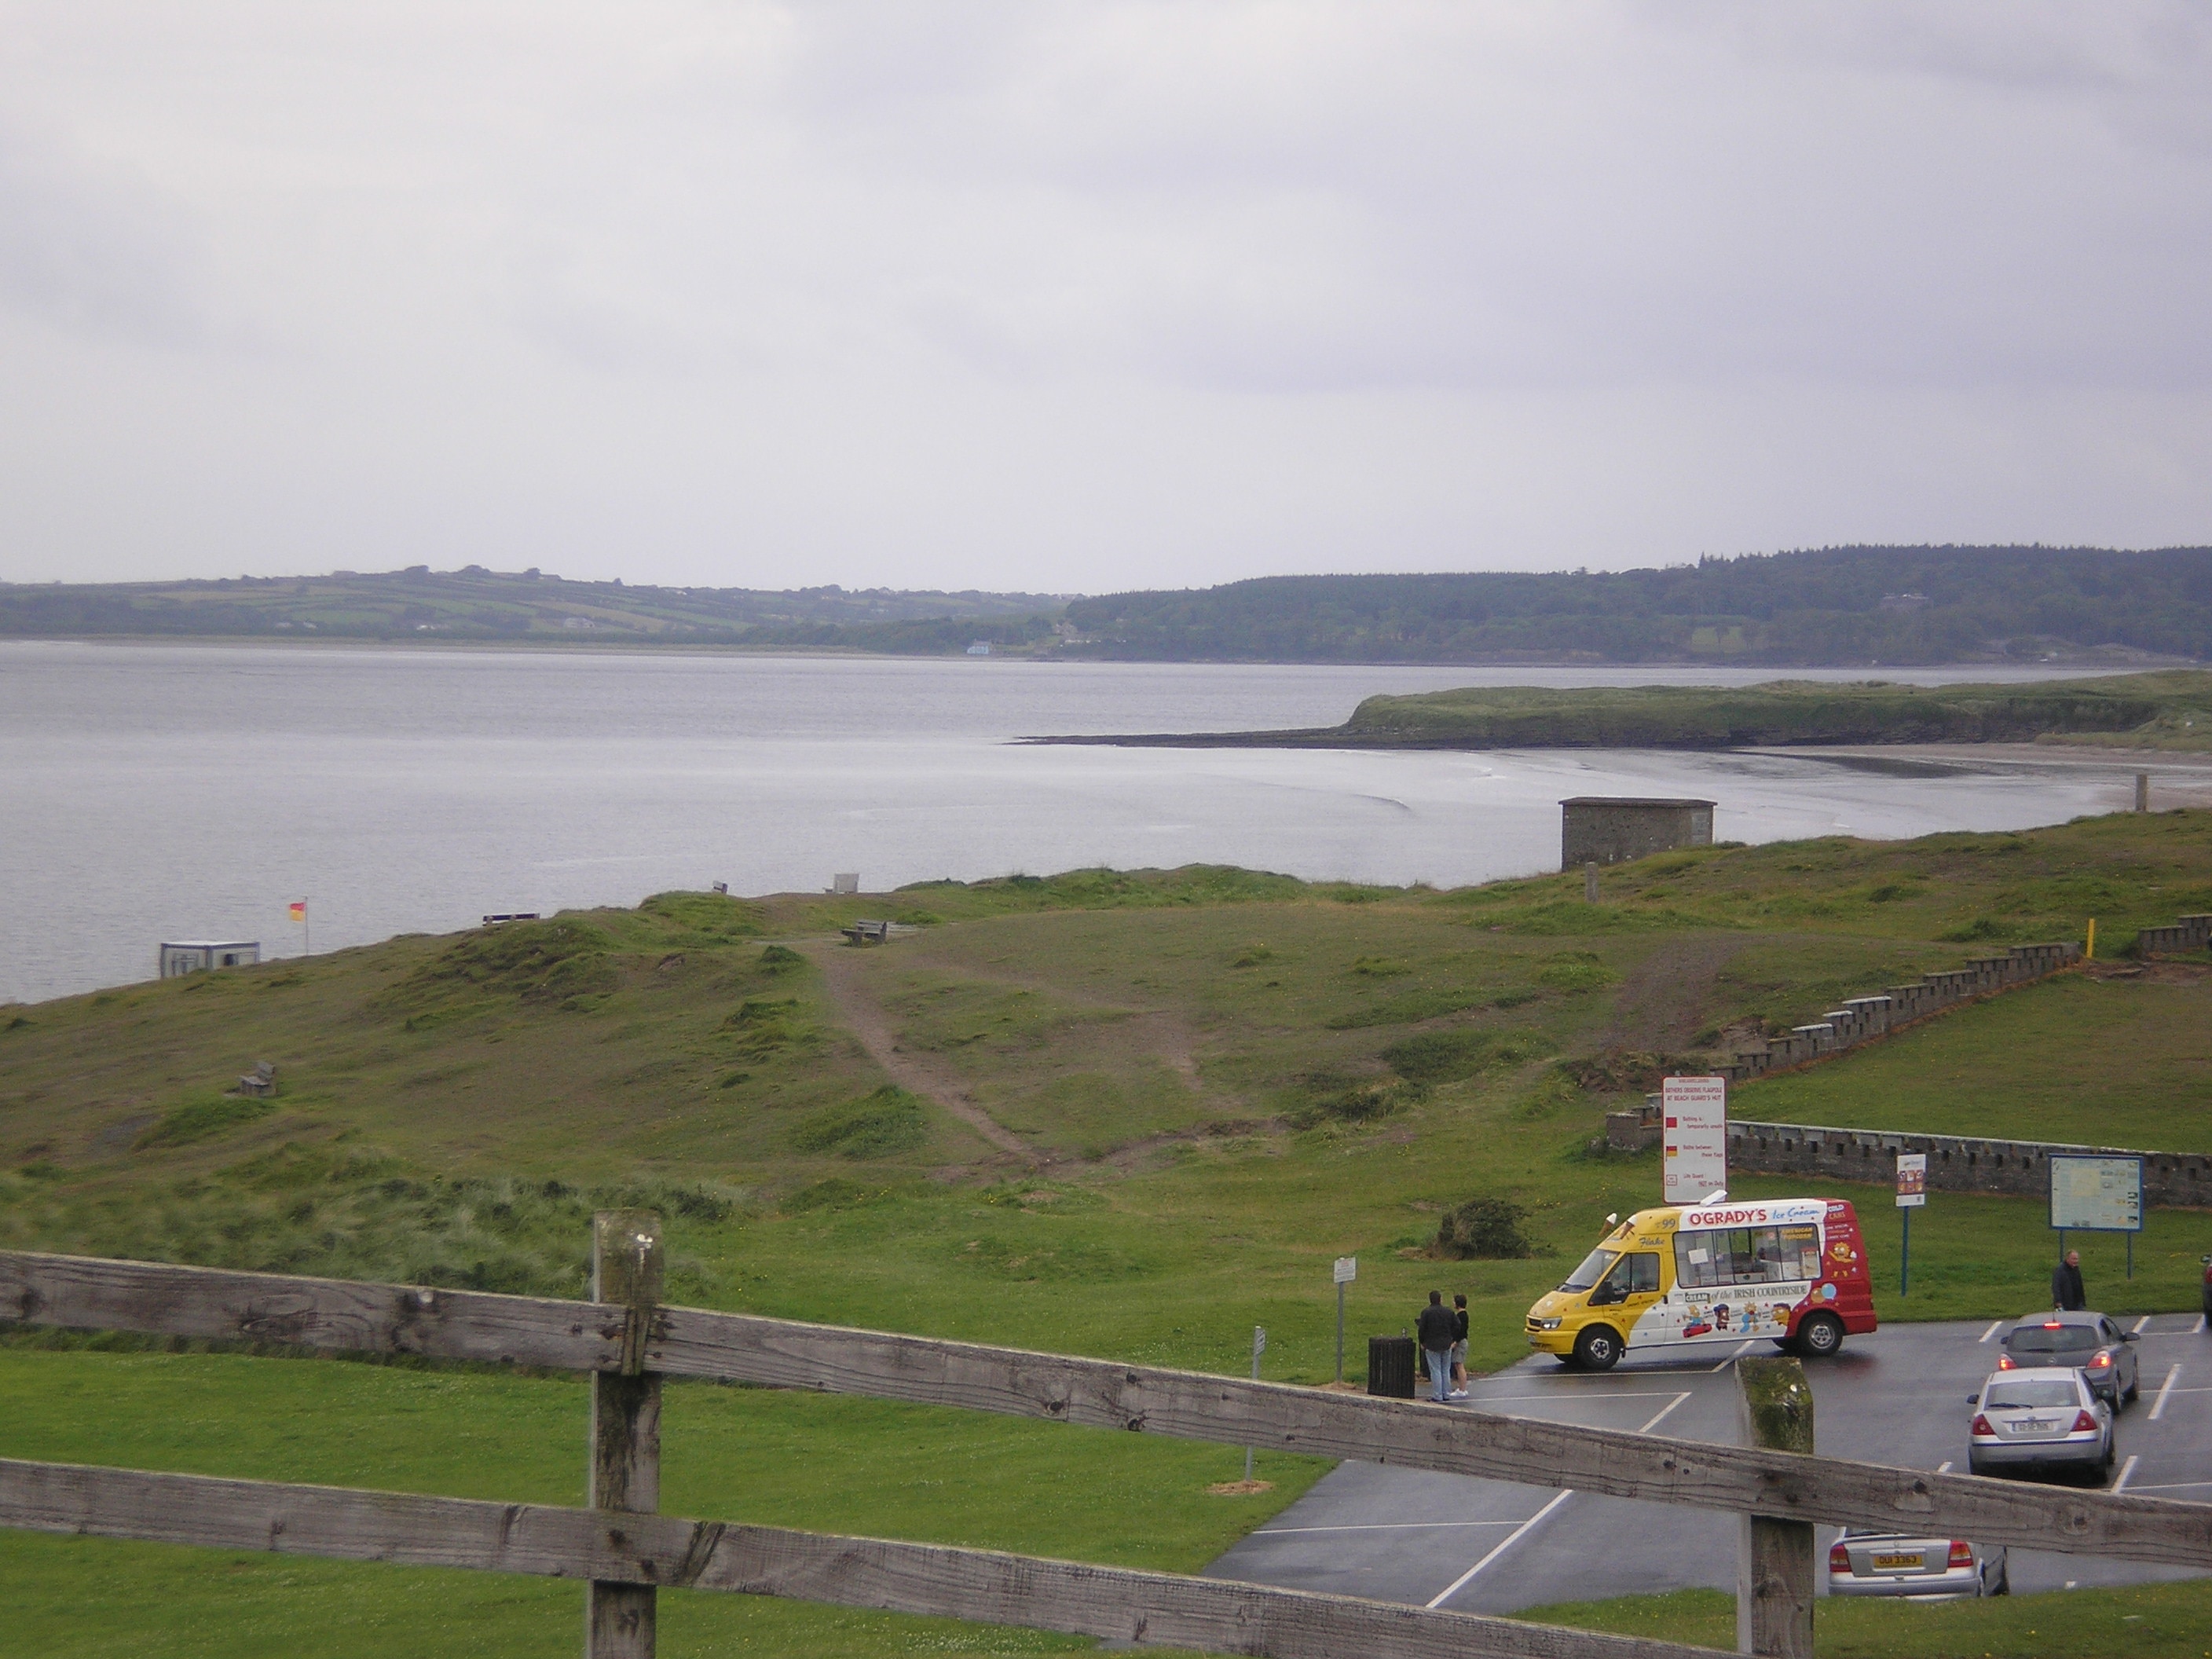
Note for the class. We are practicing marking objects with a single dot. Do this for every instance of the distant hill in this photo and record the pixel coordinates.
(476, 604)
(1833, 606)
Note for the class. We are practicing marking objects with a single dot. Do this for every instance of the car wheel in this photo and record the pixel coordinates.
(1819, 1335)
(1598, 1348)
(2135, 1389)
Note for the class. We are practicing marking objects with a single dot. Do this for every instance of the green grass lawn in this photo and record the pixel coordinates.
(2119, 1062)
(2150, 1621)
(824, 1463)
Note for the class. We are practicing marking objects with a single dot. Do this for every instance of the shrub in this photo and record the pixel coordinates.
(1576, 972)
(1489, 1228)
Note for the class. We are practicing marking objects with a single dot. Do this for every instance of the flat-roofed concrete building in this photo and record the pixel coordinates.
(196, 956)
(1612, 829)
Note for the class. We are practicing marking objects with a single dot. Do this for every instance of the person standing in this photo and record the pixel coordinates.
(2067, 1293)
(1435, 1329)
(1459, 1348)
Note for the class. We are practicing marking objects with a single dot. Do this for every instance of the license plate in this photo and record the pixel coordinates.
(1899, 1563)
(2032, 1426)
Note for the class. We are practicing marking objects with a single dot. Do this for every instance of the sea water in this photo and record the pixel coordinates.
(177, 792)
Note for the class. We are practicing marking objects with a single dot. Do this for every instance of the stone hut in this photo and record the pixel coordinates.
(1612, 829)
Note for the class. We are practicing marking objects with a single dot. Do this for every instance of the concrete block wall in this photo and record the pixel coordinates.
(1862, 1018)
(2189, 934)
(1955, 1163)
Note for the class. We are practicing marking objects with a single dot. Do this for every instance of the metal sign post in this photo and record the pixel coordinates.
(1912, 1194)
(1258, 1347)
(2096, 1194)
(1346, 1270)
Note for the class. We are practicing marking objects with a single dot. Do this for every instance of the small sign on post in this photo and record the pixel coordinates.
(1911, 1195)
(1694, 1138)
(1346, 1270)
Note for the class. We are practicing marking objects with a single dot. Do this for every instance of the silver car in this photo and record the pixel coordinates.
(1907, 1563)
(2047, 1417)
(2090, 1342)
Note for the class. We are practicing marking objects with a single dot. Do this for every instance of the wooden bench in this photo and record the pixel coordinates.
(867, 933)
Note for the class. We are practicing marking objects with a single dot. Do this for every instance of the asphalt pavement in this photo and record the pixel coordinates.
(1898, 1397)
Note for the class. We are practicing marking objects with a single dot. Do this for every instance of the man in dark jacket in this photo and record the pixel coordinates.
(2066, 1291)
(1437, 1330)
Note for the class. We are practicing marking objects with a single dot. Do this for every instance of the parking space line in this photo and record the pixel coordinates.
(1996, 1325)
(1737, 1355)
(2177, 1486)
(1377, 1526)
(1593, 1393)
(1943, 1467)
(2158, 1405)
(2127, 1471)
(2197, 1329)
(1504, 1545)
(1661, 1414)
(2140, 1323)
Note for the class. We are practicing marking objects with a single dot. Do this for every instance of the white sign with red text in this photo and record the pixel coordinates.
(1693, 1144)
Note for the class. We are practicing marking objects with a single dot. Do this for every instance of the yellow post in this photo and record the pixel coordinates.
(2090, 953)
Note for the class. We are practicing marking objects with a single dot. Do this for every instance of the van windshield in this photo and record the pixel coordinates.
(1592, 1270)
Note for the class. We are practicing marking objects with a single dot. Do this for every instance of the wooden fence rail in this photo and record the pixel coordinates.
(197, 1302)
(653, 1551)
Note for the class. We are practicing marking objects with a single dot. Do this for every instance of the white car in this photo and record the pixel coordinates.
(2046, 1417)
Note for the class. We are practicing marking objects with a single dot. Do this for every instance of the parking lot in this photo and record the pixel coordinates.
(1898, 1397)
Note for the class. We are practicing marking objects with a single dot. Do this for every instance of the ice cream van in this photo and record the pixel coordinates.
(1793, 1270)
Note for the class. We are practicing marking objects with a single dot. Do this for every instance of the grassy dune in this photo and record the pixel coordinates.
(2154, 710)
(1218, 1079)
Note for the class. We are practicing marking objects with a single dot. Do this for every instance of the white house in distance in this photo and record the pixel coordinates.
(182, 956)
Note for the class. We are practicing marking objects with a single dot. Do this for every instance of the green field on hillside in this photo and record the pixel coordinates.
(2149, 1621)
(1124, 1113)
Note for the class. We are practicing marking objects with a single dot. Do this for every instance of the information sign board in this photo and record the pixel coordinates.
(1693, 1140)
(1911, 1180)
(2093, 1193)
(1348, 1269)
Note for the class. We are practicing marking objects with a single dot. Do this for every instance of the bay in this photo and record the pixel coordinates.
(163, 791)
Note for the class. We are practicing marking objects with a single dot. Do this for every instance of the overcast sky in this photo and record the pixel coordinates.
(1084, 297)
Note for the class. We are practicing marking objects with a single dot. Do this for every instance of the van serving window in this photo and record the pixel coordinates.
(1747, 1256)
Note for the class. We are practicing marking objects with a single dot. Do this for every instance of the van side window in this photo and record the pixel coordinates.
(1695, 1267)
(1636, 1274)
(1746, 1256)
(1801, 1252)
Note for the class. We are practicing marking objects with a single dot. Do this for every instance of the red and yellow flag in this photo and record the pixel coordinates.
(299, 908)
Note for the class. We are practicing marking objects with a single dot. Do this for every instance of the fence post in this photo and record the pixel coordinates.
(626, 1268)
(1775, 1559)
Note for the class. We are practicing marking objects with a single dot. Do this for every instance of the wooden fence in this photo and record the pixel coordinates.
(625, 1550)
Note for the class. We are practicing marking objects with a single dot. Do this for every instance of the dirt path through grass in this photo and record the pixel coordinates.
(862, 1016)
(1664, 999)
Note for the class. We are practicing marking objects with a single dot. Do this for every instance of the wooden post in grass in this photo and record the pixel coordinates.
(626, 1268)
(1775, 1558)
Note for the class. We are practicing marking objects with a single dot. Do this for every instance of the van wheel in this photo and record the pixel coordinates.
(1598, 1348)
(1819, 1335)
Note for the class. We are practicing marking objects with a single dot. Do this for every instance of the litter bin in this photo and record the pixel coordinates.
(1392, 1365)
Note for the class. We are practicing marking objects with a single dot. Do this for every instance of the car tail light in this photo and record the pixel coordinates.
(1962, 1553)
(1840, 1559)
(2052, 1325)
(2104, 1358)
(1982, 1427)
(2084, 1424)
(2007, 1363)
